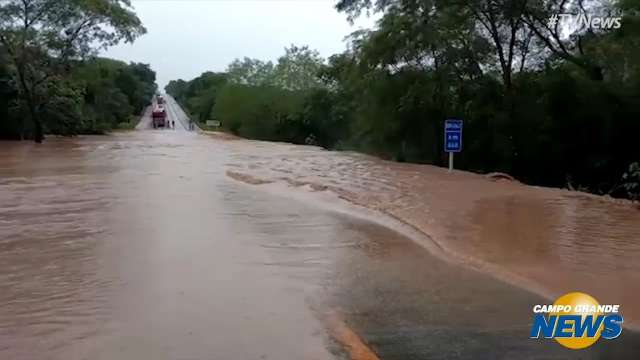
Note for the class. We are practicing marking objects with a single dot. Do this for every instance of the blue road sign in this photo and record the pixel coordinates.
(453, 135)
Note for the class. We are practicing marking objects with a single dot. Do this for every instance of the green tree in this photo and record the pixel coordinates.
(265, 101)
(199, 94)
(252, 72)
(176, 88)
(42, 37)
(548, 109)
(259, 112)
(137, 81)
(298, 69)
(112, 91)
(9, 126)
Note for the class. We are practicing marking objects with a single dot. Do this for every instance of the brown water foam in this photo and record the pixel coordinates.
(550, 241)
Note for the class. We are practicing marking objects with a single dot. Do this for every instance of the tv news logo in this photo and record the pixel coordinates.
(576, 321)
(584, 21)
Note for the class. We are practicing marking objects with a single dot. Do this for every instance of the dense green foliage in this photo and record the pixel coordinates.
(113, 92)
(256, 99)
(198, 95)
(548, 108)
(45, 85)
(95, 96)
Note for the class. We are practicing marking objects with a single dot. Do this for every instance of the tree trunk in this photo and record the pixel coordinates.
(38, 135)
(512, 125)
(27, 94)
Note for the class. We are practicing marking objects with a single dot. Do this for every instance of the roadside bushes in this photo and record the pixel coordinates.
(261, 100)
(96, 96)
(259, 112)
(112, 91)
(198, 96)
(631, 181)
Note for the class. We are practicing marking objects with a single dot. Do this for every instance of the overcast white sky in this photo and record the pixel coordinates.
(188, 37)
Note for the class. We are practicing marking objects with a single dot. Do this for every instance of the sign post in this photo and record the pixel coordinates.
(452, 138)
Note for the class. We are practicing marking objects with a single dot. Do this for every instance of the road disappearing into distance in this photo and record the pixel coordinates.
(175, 244)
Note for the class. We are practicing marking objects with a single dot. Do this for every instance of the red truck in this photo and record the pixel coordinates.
(159, 117)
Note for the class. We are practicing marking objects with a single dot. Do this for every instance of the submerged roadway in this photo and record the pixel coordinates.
(139, 246)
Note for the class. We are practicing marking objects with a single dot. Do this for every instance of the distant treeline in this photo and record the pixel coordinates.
(548, 108)
(96, 96)
(50, 79)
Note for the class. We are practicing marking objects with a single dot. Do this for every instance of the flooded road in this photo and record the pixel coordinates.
(550, 241)
(144, 245)
(121, 248)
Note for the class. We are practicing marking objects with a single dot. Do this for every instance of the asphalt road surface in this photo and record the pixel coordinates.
(174, 113)
(140, 246)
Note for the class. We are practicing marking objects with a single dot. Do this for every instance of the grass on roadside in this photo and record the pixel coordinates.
(127, 125)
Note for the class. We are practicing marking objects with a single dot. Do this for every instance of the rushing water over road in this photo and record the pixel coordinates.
(552, 241)
(121, 248)
(143, 245)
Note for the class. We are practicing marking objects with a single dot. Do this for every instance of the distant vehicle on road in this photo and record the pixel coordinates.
(159, 117)
(160, 100)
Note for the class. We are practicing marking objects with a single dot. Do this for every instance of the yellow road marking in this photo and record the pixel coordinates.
(342, 333)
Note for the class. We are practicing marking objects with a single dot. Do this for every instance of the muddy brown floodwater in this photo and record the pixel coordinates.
(550, 241)
(174, 245)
